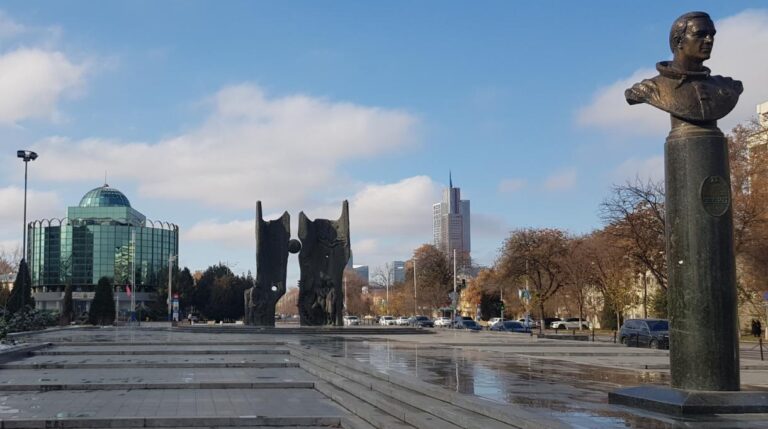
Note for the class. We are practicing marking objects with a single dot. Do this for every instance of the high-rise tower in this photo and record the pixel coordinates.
(450, 223)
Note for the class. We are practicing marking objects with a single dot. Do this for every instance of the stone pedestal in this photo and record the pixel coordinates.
(704, 348)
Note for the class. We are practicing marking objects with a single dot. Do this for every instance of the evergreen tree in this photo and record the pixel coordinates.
(67, 309)
(103, 305)
(21, 295)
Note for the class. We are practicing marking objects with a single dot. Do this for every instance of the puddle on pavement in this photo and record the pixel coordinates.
(575, 394)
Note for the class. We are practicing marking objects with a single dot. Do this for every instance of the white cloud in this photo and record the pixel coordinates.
(233, 234)
(609, 110)
(561, 181)
(280, 150)
(402, 208)
(508, 186)
(40, 205)
(33, 81)
(739, 53)
(650, 168)
(9, 28)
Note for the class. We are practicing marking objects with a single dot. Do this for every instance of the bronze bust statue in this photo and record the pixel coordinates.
(684, 87)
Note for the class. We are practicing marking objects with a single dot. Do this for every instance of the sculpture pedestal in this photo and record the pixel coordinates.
(686, 402)
(704, 344)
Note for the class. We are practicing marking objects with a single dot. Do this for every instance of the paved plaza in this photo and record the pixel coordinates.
(360, 378)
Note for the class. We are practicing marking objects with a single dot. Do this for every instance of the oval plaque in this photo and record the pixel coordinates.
(715, 195)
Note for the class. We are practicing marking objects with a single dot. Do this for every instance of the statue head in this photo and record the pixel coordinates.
(691, 39)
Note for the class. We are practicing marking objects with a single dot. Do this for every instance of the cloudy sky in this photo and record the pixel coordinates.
(196, 109)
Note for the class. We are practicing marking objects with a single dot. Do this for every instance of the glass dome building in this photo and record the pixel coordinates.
(102, 236)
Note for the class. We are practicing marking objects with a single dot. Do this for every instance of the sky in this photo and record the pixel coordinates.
(197, 109)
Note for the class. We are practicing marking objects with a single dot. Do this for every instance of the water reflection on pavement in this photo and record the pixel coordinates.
(574, 394)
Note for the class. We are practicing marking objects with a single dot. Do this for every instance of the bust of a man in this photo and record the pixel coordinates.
(684, 87)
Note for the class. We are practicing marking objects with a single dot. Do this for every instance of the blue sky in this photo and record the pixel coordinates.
(196, 109)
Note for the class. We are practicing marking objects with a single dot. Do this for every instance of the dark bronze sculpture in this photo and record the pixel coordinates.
(704, 344)
(272, 246)
(684, 87)
(325, 250)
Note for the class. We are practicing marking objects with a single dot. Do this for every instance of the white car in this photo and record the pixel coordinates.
(403, 321)
(442, 322)
(351, 320)
(569, 323)
(387, 321)
(529, 323)
(493, 321)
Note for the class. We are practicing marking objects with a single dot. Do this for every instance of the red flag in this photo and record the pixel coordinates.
(128, 289)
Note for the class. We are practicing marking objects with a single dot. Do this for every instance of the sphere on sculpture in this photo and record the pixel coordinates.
(294, 245)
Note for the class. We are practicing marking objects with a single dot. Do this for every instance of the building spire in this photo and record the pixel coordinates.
(450, 179)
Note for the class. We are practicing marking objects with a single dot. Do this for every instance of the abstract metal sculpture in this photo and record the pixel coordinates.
(272, 245)
(325, 250)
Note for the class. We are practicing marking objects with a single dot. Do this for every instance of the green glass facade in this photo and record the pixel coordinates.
(103, 236)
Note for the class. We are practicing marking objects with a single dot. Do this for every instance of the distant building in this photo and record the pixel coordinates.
(397, 272)
(450, 223)
(6, 280)
(103, 236)
(363, 272)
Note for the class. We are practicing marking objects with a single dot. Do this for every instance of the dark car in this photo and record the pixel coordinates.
(510, 326)
(421, 321)
(468, 324)
(653, 333)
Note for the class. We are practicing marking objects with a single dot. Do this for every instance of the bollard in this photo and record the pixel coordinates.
(593, 334)
(573, 332)
(760, 340)
(614, 337)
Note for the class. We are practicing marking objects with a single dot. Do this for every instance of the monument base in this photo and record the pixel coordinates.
(690, 402)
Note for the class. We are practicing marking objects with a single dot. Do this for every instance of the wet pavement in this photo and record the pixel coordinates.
(573, 393)
(563, 380)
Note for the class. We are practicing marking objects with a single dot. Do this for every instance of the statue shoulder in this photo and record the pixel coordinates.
(728, 83)
(646, 91)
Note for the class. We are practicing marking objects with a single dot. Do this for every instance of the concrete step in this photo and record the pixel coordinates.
(303, 422)
(465, 410)
(150, 365)
(166, 352)
(166, 344)
(46, 387)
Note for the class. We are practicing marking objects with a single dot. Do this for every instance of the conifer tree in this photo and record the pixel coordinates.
(103, 305)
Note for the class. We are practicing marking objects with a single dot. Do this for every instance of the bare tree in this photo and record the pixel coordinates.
(634, 213)
(538, 255)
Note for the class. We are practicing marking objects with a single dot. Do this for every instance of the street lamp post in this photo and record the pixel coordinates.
(171, 258)
(26, 156)
(415, 307)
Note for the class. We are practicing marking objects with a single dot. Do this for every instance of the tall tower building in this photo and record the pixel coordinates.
(450, 222)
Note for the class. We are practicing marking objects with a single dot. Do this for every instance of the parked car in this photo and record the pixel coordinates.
(653, 333)
(421, 321)
(351, 320)
(402, 321)
(510, 326)
(443, 322)
(467, 324)
(387, 321)
(494, 321)
(529, 323)
(548, 321)
(569, 323)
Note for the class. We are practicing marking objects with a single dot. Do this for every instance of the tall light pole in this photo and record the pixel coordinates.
(133, 275)
(455, 297)
(415, 307)
(26, 156)
(171, 258)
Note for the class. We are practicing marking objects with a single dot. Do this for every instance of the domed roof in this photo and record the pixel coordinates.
(104, 196)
